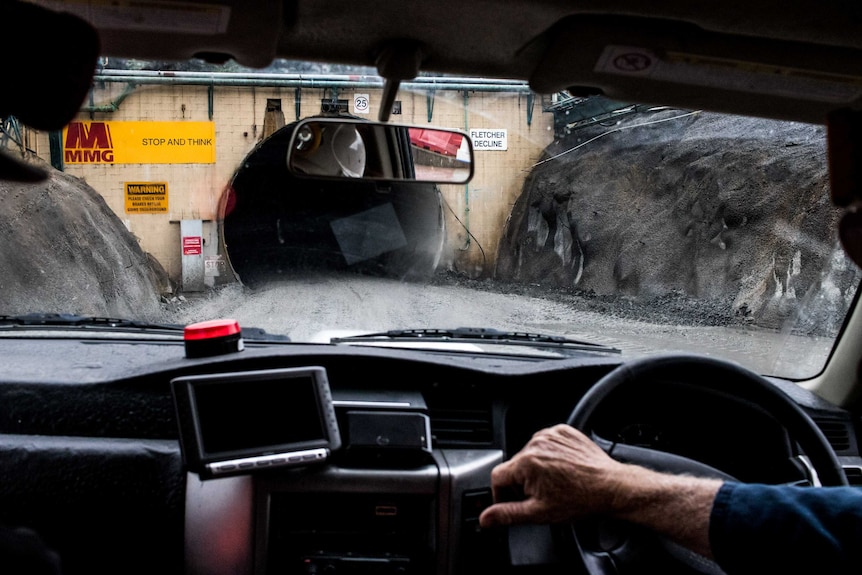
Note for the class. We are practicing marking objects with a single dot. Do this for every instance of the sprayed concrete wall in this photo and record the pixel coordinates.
(476, 214)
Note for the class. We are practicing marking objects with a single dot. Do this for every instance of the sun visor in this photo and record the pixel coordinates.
(670, 63)
(48, 66)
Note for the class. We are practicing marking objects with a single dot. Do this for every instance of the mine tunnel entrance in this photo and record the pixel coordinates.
(275, 223)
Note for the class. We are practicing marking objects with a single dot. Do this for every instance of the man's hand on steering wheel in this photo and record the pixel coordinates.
(635, 509)
(564, 476)
(559, 475)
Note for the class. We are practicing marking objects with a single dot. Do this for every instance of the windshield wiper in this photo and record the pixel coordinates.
(481, 334)
(73, 321)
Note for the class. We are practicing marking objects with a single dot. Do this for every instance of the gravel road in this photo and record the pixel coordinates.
(304, 306)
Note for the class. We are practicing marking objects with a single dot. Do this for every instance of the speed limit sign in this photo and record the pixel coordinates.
(361, 104)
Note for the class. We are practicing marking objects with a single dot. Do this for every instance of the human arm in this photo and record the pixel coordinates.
(757, 528)
(746, 528)
(563, 475)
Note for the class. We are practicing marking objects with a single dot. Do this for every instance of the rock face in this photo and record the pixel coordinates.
(65, 251)
(693, 203)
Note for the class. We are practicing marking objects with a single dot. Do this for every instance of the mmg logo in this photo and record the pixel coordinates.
(88, 143)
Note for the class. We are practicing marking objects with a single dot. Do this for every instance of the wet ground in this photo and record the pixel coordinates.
(302, 307)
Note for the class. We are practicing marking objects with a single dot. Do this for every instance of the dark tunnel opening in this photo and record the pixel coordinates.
(275, 223)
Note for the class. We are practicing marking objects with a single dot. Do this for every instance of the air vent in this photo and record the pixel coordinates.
(836, 432)
(461, 427)
(854, 475)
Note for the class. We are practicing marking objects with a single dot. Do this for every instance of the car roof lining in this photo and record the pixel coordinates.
(552, 44)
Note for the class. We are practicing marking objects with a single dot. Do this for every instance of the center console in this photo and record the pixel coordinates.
(382, 501)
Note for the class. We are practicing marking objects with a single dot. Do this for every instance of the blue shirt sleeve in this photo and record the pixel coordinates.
(758, 528)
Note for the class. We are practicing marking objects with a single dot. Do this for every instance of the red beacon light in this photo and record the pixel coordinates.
(213, 337)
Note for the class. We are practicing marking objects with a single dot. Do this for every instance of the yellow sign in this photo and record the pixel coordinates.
(139, 143)
(146, 197)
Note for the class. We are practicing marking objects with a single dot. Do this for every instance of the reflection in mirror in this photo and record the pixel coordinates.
(441, 155)
(352, 148)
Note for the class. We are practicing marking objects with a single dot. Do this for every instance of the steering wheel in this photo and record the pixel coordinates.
(607, 547)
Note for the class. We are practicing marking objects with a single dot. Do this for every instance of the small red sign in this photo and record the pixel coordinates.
(191, 245)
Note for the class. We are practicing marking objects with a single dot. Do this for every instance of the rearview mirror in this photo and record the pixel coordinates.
(358, 149)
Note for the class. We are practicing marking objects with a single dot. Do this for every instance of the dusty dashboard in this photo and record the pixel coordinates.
(97, 440)
(385, 498)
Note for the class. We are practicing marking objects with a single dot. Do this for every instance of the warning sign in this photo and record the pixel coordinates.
(191, 245)
(146, 197)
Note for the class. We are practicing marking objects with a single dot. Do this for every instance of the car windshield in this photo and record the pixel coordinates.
(639, 228)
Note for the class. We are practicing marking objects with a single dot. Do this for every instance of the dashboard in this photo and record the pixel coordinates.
(101, 456)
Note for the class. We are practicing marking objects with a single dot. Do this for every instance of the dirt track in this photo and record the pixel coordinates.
(302, 307)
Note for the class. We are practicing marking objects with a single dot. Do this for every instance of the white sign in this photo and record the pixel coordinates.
(489, 139)
(214, 265)
(361, 103)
